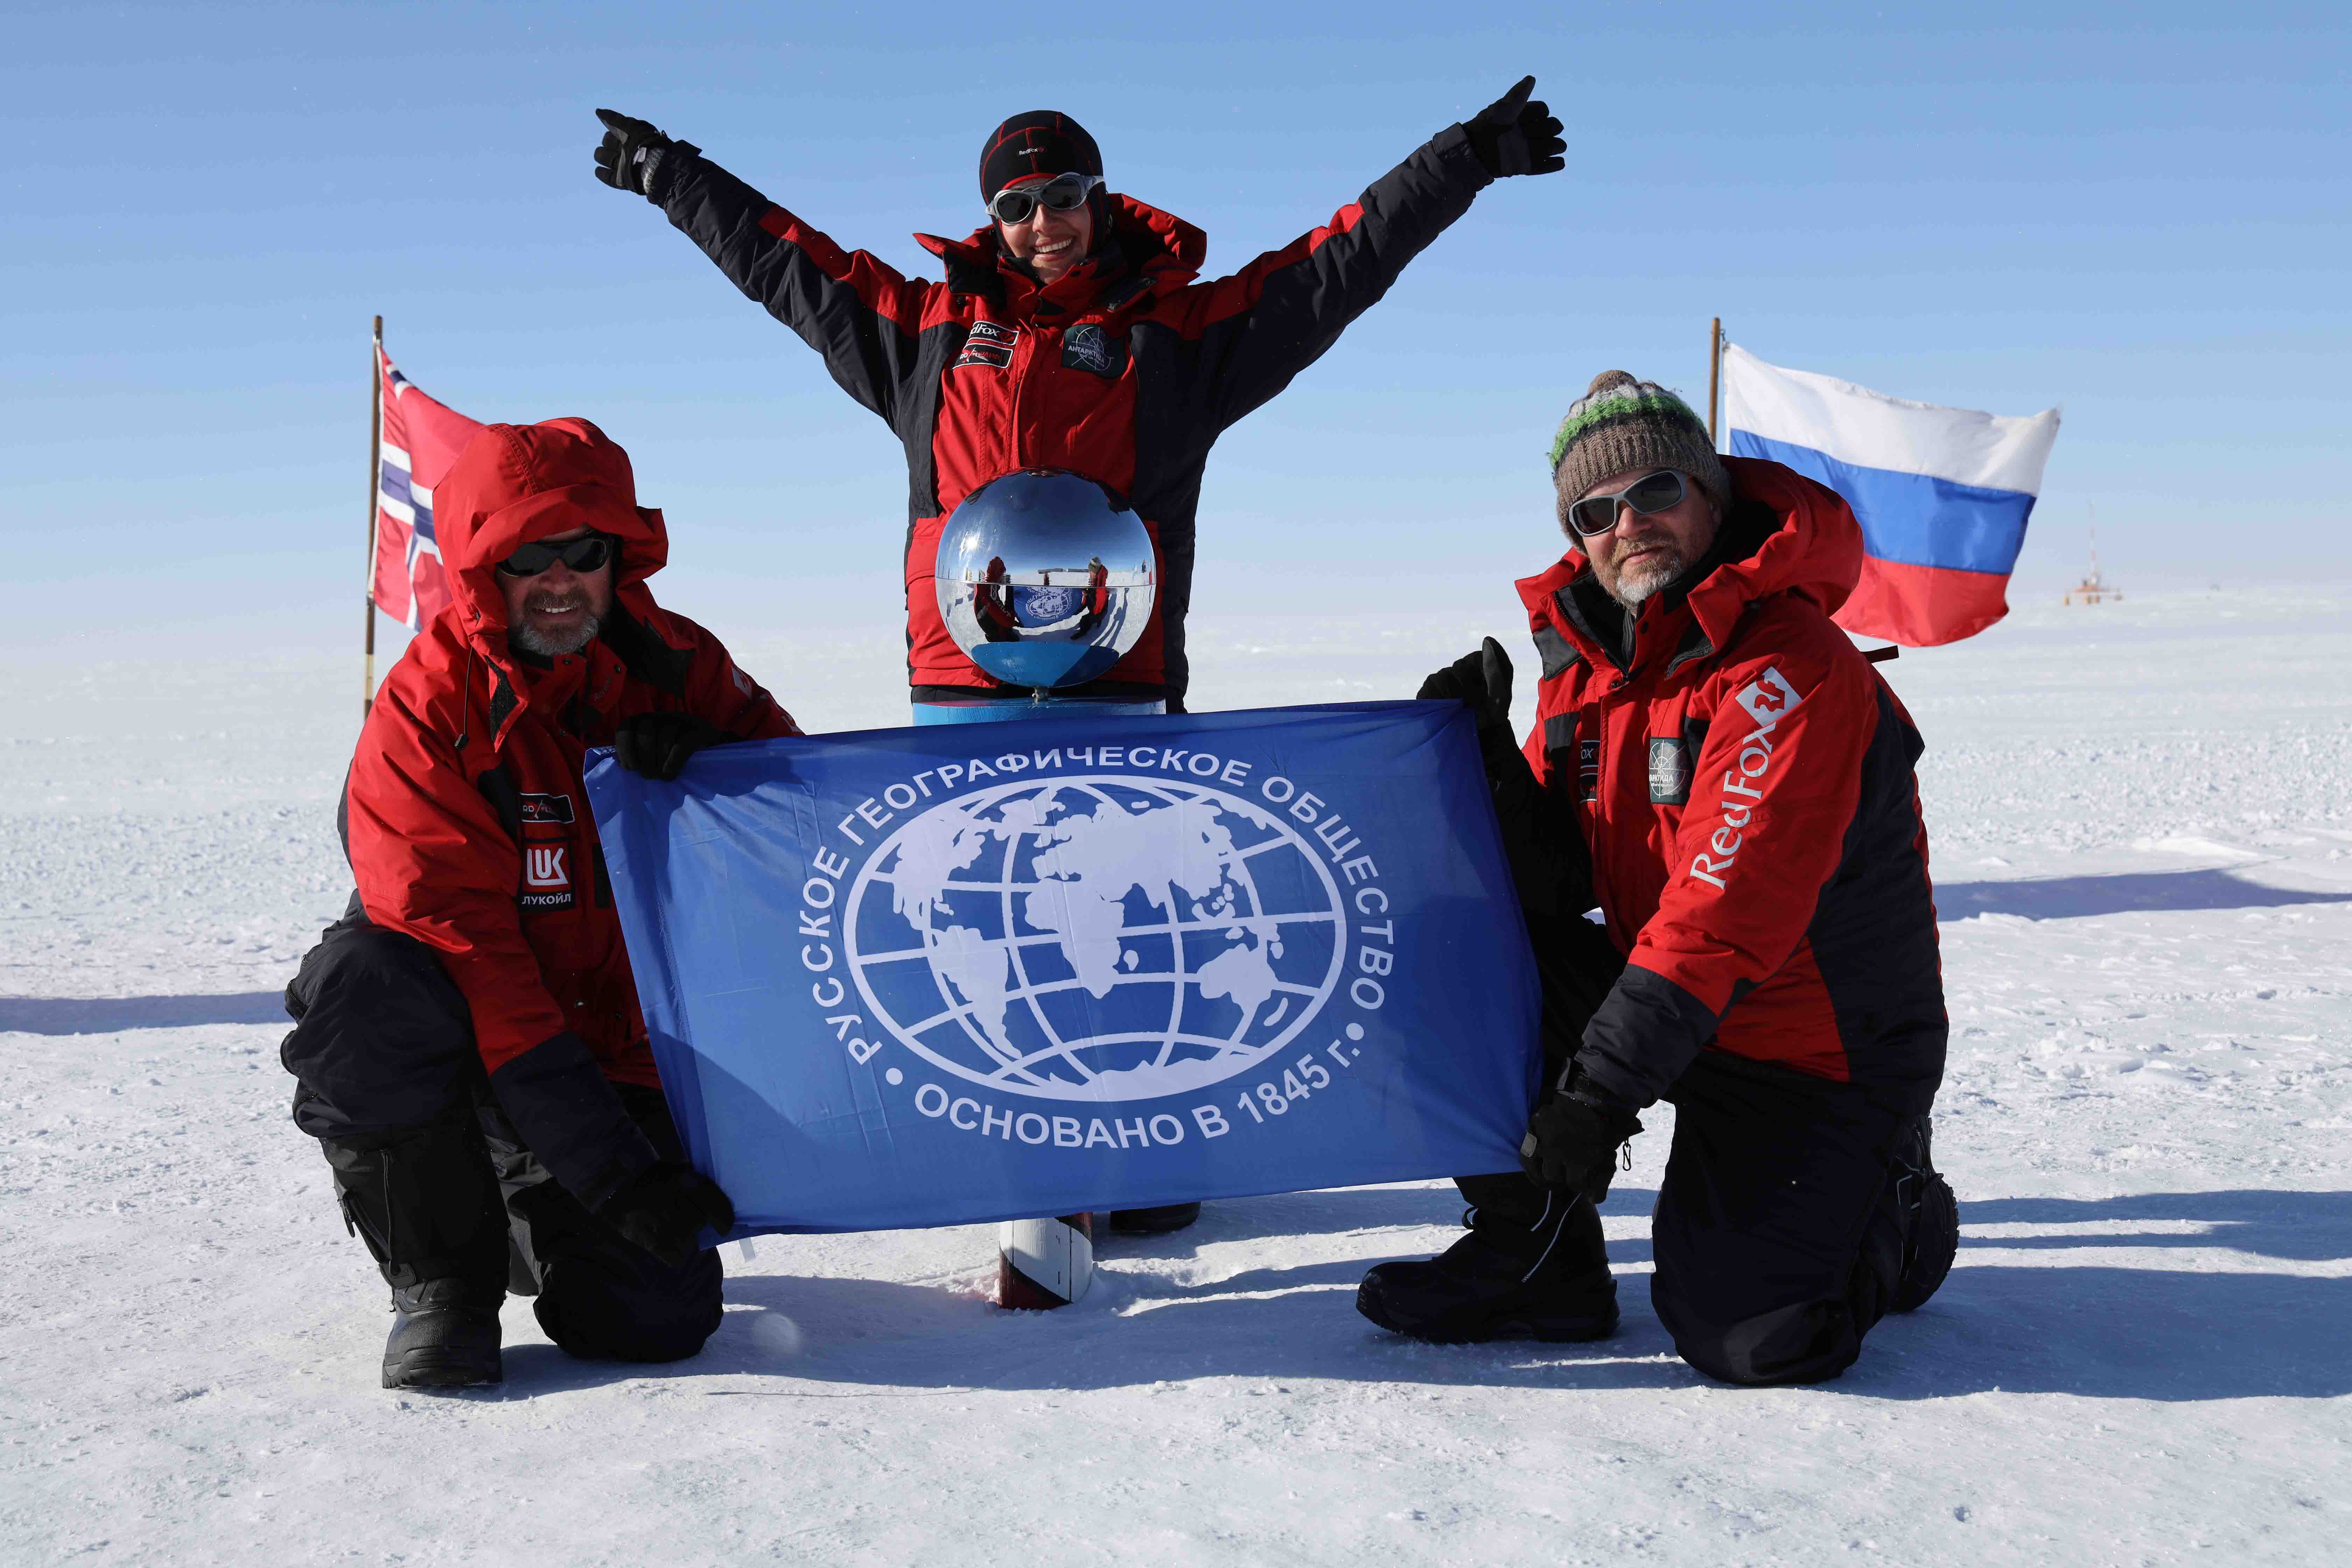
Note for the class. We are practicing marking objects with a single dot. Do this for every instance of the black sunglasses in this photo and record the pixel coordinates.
(1063, 193)
(1652, 492)
(588, 554)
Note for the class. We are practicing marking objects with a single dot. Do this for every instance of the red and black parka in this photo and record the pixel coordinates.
(1127, 369)
(464, 815)
(1744, 781)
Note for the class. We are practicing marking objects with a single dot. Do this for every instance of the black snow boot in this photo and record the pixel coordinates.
(425, 1202)
(1931, 1217)
(445, 1334)
(1533, 1267)
(1154, 1221)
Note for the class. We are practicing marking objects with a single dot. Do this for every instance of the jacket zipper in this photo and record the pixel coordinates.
(1024, 353)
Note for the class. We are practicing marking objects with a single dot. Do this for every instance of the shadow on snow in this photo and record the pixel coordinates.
(2090, 1330)
(2068, 898)
(111, 1015)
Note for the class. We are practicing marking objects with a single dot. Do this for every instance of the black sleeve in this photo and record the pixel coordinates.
(572, 1117)
(1550, 866)
(851, 307)
(1645, 1033)
(1282, 311)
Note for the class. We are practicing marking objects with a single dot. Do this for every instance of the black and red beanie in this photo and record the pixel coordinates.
(1039, 142)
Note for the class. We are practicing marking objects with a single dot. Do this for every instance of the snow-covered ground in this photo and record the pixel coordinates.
(2142, 822)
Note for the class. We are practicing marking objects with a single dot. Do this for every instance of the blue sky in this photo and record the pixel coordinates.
(2141, 214)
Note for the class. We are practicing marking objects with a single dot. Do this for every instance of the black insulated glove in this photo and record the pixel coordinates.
(1573, 1139)
(1516, 134)
(664, 1209)
(634, 156)
(1483, 680)
(658, 744)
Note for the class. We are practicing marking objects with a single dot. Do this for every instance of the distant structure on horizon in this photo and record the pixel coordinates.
(2092, 588)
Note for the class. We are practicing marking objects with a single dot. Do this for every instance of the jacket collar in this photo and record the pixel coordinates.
(1147, 253)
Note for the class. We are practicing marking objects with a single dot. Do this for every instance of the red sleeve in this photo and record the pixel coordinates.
(720, 689)
(433, 861)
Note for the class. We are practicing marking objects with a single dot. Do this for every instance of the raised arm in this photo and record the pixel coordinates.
(1280, 313)
(852, 308)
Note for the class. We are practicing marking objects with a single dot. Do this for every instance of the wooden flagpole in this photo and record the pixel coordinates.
(1714, 376)
(375, 482)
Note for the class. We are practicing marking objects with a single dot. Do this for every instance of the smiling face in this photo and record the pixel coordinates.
(1051, 242)
(1646, 551)
(557, 611)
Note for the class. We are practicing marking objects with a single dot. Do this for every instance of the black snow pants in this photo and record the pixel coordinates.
(1788, 1207)
(431, 1175)
(1791, 1207)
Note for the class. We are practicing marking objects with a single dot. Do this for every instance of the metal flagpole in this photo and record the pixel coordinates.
(375, 482)
(1714, 374)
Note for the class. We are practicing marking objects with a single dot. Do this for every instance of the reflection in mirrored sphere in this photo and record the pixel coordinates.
(1045, 578)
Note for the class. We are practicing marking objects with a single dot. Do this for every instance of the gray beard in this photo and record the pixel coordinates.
(530, 641)
(1635, 586)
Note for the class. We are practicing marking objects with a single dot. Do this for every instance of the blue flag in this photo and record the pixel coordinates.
(939, 975)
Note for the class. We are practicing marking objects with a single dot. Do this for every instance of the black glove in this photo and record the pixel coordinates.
(1481, 679)
(1514, 136)
(634, 156)
(1573, 1138)
(664, 1208)
(657, 744)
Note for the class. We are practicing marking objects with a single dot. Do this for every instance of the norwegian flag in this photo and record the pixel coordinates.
(421, 438)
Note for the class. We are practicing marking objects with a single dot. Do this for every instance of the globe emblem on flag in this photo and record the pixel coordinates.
(1039, 606)
(1095, 939)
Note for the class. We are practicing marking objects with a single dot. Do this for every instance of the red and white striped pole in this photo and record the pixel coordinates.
(1042, 1264)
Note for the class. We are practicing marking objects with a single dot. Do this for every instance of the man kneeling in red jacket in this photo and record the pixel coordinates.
(1718, 768)
(467, 1046)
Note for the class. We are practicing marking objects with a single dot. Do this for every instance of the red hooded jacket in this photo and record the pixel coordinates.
(466, 821)
(1744, 781)
(1127, 369)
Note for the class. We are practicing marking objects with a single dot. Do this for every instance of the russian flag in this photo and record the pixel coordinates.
(1942, 494)
(422, 437)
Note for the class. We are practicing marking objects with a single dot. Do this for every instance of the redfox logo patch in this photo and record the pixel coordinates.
(547, 808)
(988, 343)
(1768, 697)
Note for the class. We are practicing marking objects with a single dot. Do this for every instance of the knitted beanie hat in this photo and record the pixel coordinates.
(1620, 422)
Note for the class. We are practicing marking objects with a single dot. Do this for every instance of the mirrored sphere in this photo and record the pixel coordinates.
(1044, 579)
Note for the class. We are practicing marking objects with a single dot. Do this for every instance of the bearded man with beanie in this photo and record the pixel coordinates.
(468, 1047)
(1717, 768)
(1072, 331)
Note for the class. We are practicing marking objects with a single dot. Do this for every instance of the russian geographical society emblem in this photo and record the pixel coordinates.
(1042, 926)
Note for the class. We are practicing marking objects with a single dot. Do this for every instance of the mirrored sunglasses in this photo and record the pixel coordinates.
(1063, 193)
